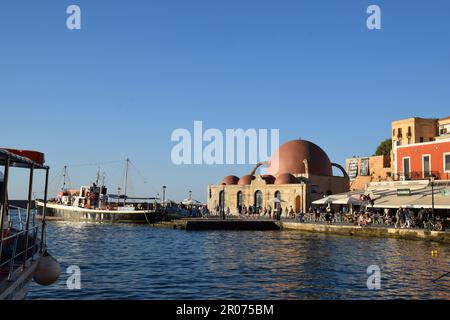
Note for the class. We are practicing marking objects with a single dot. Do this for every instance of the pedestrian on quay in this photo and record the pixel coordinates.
(397, 218)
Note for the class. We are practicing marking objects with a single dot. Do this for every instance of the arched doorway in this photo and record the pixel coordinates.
(221, 200)
(277, 195)
(298, 204)
(239, 201)
(258, 201)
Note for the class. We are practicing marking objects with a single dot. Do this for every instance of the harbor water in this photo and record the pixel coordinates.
(127, 261)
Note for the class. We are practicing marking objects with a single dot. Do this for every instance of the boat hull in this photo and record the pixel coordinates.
(17, 288)
(60, 212)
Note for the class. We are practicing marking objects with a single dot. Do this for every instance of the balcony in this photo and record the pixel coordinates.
(419, 175)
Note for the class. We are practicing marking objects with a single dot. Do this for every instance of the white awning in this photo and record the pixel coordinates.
(420, 198)
(324, 200)
(351, 199)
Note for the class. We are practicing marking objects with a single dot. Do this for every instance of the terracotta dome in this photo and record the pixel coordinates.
(246, 180)
(230, 180)
(285, 178)
(268, 178)
(290, 156)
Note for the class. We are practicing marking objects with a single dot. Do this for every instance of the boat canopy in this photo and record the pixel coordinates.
(19, 161)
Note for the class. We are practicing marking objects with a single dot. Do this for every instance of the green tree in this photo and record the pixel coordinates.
(384, 148)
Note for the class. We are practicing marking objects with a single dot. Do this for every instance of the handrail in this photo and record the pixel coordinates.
(419, 175)
(15, 254)
(19, 214)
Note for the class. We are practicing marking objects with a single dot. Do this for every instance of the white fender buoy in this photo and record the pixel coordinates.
(48, 270)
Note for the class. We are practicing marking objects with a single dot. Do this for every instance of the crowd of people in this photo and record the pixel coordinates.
(401, 218)
(275, 212)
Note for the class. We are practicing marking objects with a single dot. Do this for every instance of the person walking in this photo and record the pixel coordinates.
(397, 218)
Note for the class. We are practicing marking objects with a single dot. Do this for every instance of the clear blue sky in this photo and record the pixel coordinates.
(137, 70)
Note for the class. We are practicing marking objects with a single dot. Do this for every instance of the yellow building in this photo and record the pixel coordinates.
(444, 128)
(414, 130)
(298, 173)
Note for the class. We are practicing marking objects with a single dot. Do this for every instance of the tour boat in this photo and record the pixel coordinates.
(93, 203)
(23, 248)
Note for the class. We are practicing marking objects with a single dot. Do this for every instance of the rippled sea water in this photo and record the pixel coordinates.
(126, 261)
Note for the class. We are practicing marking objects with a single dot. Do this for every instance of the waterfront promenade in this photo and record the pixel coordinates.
(339, 228)
(381, 231)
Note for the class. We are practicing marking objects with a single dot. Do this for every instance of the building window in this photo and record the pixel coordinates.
(447, 162)
(239, 201)
(258, 199)
(277, 196)
(406, 168)
(421, 139)
(426, 165)
(222, 200)
(393, 132)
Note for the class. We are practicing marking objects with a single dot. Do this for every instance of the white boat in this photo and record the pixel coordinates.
(93, 203)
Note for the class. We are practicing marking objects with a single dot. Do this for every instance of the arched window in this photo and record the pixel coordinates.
(222, 199)
(239, 201)
(298, 206)
(258, 199)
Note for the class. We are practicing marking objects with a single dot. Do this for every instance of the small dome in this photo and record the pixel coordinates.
(268, 178)
(246, 180)
(285, 178)
(290, 156)
(230, 180)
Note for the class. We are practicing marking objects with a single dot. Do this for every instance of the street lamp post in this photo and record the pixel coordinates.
(432, 177)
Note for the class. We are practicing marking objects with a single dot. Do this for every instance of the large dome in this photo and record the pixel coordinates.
(290, 156)
(246, 180)
(285, 178)
(230, 180)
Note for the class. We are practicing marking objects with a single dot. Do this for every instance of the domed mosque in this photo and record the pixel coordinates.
(298, 173)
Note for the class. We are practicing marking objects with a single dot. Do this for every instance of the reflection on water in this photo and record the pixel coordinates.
(139, 262)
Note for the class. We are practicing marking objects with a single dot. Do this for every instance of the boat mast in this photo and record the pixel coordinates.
(98, 178)
(127, 163)
(64, 176)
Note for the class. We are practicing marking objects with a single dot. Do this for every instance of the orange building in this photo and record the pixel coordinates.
(421, 160)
